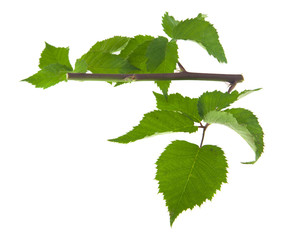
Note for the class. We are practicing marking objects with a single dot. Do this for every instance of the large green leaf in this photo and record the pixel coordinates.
(189, 175)
(217, 100)
(158, 122)
(201, 31)
(48, 76)
(176, 102)
(55, 55)
(242, 121)
(169, 23)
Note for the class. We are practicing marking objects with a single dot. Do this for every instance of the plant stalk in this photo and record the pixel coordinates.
(230, 78)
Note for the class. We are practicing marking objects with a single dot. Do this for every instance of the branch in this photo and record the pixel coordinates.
(230, 78)
(203, 136)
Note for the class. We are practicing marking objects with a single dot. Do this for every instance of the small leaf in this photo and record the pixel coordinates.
(80, 66)
(102, 62)
(48, 76)
(110, 45)
(201, 31)
(169, 23)
(155, 53)
(158, 122)
(242, 121)
(176, 102)
(217, 100)
(189, 175)
(54, 55)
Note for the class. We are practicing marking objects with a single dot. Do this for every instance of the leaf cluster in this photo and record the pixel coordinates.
(189, 174)
(126, 55)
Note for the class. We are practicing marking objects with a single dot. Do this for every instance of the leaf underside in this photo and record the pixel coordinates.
(189, 175)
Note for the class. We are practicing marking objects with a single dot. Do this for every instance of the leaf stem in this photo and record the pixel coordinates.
(231, 78)
(203, 135)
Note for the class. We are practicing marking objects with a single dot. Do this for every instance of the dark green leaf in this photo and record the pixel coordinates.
(178, 103)
(169, 24)
(54, 55)
(158, 122)
(155, 53)
(48, 76)
(242, 121)
(189, 175)
(201, 31)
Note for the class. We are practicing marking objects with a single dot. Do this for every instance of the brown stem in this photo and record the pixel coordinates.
(203, 136)
(182, 69)
(231, 78)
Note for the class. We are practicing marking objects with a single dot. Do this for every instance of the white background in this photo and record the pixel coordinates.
(59, 176)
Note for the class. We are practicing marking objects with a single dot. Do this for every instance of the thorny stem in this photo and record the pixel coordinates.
(203, 135)
(233, 79)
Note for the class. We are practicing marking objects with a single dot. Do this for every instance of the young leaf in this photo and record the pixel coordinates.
(189, 175)
(103, 62)
(158, 122)
(54, 55)
(201, 31)
(110, 45)
(217, 100)
(242, 121)
(169, 23)
(176, 102)
(49, 76)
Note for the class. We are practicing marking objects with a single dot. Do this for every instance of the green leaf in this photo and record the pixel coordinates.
(54, 55)
(102, 62)
(242, 121)
(49, 76)
(216, 100)
(169, 23)
(110, 45)
(133, 44)
(201, 31)
(176, 102)
(168, 65)
(158, 122)
(80, 66)
(189, 175)
(155, 53)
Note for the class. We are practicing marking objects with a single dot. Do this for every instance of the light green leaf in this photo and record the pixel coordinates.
(201, 31)
(242, 121)
(110, 45)
(80, 66)
(158, 122)
(102, 62)
(217, 100)
(54, 55)
(133, 44)
(189, 175)
(176, 102)
(169, 23)
(155, 53)
(48, 76)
